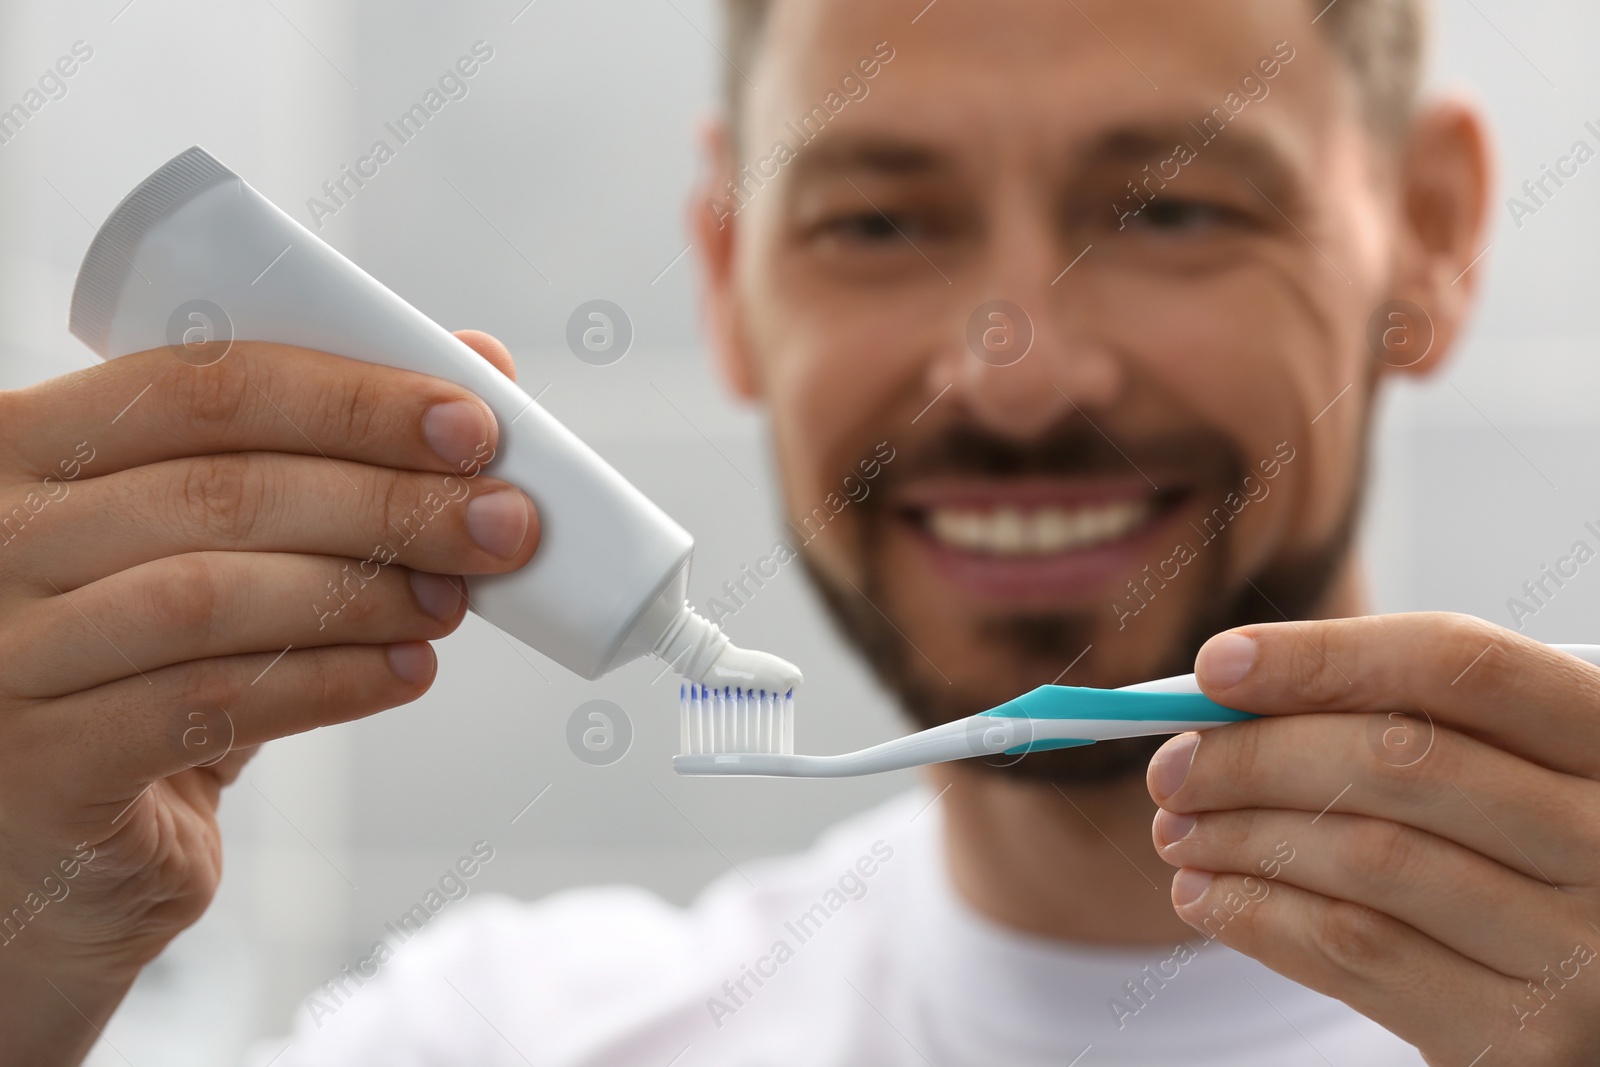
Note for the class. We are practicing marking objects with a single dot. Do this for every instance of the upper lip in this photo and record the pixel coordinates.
(1026, 493)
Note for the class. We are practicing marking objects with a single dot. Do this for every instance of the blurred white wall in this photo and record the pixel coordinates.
(559, 178)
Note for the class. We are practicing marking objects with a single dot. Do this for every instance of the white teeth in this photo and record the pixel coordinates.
(1009, 531)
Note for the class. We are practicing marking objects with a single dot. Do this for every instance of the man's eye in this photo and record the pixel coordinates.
(1183, 216)
(872, 226)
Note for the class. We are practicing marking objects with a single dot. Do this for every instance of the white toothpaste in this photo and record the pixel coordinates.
(195, 248)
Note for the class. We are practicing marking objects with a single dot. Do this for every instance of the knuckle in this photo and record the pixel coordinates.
(1248, 836)
(220, 498)
(327, 678)
(1586, 816)
(185, 603)
(1354, 937)
(1460, 628)
(357, 596)
(1242, 749)
(359, 410)
(212, 397)
(313, 681)
(1312, 675)
(1468, 640)
(1230, 835)
(205, 686)
(388, 504)
(1386, 852)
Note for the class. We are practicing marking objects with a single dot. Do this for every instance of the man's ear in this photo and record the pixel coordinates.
(1445, 177)
(712, 222)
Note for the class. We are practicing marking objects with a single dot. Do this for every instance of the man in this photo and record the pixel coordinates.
(1099, 278)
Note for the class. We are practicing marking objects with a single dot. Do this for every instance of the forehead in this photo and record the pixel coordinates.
(993, 78)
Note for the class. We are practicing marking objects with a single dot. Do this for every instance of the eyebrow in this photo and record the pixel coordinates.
(890, 155)
(1244, 149)
(1131, 145)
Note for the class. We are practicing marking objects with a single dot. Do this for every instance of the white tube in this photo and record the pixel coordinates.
(195, 248)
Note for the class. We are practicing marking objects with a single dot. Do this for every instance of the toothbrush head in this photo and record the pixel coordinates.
(735, 719)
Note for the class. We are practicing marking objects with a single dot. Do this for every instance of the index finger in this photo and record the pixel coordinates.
(152, 406)
(1502, 687)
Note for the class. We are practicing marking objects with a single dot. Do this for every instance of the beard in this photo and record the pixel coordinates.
(1285, 589)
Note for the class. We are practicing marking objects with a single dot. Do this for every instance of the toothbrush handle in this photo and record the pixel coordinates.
(1180, 683)
(1588, 653)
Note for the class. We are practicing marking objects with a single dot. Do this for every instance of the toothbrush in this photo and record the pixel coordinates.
(749, 733)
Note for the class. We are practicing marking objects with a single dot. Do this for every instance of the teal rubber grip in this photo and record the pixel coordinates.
(1079, 702)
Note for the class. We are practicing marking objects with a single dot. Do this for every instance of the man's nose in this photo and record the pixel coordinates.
(1030, 354)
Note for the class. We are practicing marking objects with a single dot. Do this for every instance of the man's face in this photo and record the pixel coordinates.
(1191, 412)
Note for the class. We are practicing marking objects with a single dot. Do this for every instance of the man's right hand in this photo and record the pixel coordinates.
(195, 560)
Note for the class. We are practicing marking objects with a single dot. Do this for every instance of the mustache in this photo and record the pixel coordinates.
(1069, 450)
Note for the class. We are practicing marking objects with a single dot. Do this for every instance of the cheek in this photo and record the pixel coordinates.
(840, 374)
(1222, 350)
(1257, 353)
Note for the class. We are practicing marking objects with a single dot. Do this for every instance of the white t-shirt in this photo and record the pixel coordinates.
(856, 952)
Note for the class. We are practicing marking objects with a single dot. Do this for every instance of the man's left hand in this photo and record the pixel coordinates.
(1413, 828)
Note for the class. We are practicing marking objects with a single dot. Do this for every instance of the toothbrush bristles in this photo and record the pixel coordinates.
(734, 719)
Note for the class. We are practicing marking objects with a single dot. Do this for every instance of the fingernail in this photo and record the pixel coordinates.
(1189, 885)
(437, 595)
(1170, 827)
(456, 430)
(498, 522)
(1225, 660)
(412, 661)
(1170, 765)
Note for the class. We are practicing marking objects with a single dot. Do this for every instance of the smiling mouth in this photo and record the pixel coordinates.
(1021, 531)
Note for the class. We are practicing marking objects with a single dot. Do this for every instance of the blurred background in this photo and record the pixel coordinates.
(562, 177)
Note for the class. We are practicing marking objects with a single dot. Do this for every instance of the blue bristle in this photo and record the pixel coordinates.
(735, 719)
